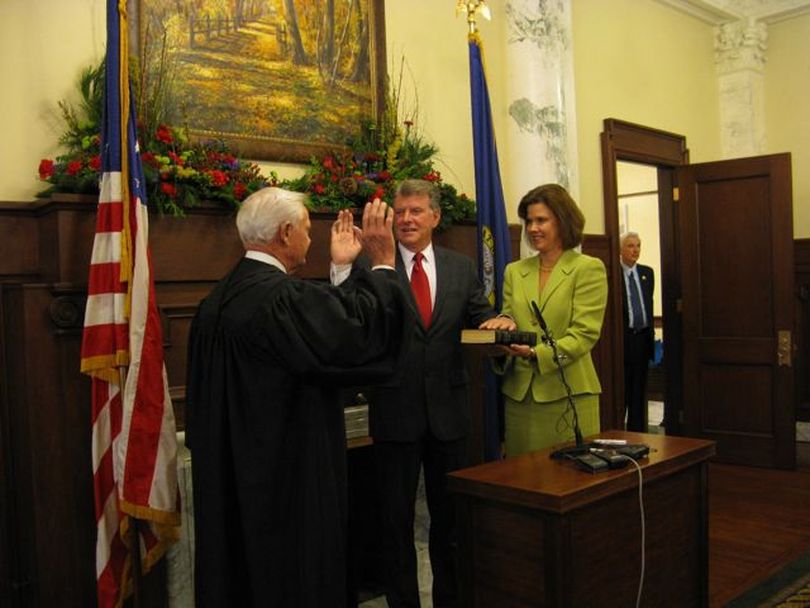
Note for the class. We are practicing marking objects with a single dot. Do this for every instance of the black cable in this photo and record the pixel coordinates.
(548, 338)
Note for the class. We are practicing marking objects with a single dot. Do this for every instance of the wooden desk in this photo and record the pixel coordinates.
(540, 532)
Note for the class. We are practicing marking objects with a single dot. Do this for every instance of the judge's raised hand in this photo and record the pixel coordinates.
(378, 234)
(346, 241)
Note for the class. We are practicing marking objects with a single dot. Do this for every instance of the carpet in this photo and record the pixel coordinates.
(788, 588)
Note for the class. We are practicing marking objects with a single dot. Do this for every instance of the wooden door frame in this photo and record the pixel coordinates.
(627, 141)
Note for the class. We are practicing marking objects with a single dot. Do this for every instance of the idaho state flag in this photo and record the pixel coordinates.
(494, 247)
(133, 437)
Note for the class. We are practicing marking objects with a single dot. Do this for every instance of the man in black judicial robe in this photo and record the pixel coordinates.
(267, 353)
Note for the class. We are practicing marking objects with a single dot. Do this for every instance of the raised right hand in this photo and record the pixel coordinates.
(378, 234)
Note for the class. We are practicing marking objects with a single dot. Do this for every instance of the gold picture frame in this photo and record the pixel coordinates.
(276, 80)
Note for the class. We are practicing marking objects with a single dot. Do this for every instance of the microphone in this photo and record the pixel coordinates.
(548, 338)
(540, 319)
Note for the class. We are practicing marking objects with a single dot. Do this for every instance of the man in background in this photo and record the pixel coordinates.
(639, 332)
(267, 354)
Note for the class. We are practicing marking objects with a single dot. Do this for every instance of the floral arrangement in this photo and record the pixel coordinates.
(178, 175)
(181, 175)
(77, 171)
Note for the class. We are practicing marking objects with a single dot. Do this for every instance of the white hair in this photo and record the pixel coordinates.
(264, 212)
(626, 235)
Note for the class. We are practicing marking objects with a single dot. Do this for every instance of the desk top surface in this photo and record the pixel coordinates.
(535, 480)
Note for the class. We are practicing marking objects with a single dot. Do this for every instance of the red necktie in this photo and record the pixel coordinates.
(421, 289)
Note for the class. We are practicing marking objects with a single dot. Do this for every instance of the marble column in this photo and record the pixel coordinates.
(541, 131)
(740, 59)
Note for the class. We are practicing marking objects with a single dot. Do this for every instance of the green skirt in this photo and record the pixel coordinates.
(533, 426)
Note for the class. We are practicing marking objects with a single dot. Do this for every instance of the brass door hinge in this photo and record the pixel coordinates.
(676, 194)
(783, 348)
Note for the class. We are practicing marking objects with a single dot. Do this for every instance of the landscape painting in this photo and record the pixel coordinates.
(275, 79)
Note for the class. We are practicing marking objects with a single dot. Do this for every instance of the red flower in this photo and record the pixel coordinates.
(73, 167)
(95, 163)
(148, 158)
(318, 189)
(164, 134)
(378, 193)
(239, 191)
(168, 189)
(177, 160)
(433, 176)
(384, 176)
(218, 178)
(45, 168)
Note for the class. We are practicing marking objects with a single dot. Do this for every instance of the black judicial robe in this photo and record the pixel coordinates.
(267, 355)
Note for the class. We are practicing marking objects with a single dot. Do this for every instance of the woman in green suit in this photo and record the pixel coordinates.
(570, 290)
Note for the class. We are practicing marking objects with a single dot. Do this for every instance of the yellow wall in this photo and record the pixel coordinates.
(787, 118)
(636, 60)
(44, 45)
(646, 63)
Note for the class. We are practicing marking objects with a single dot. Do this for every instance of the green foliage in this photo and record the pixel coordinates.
(82, 122)
(181, 175)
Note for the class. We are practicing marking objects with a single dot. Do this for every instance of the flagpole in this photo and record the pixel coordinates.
(494, 244)
(135, 555)
(472, 8)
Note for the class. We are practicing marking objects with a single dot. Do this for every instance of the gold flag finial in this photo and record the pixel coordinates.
(472, 8)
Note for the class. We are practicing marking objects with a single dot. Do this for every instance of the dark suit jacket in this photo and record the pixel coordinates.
(647, 283)
(431, 389)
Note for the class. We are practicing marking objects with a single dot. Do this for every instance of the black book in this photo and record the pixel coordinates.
(498, 336)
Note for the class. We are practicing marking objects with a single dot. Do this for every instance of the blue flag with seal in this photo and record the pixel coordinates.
(494, 247)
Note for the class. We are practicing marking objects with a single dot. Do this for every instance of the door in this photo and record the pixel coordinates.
(736, 245)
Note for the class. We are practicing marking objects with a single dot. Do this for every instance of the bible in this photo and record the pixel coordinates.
(498, 336)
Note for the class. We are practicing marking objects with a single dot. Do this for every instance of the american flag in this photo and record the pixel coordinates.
(134, 442)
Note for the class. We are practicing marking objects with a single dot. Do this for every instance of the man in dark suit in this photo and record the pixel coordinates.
(639, 334)
(420, 419)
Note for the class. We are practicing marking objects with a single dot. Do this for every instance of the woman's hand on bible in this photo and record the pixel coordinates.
(500, 322)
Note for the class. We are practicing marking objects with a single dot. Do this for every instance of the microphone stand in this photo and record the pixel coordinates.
(580, 447)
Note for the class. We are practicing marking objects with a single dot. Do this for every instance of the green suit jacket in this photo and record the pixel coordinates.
(573, 307)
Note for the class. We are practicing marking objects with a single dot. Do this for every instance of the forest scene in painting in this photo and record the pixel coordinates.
(297, 70)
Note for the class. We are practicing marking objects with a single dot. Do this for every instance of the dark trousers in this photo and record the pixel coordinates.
(398, 467)
(636, 359)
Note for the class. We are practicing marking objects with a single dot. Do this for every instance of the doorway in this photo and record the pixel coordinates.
(643, 150)
(726, 255)
(637, 197)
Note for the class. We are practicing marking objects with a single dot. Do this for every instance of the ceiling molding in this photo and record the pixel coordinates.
(718, 12)
(705, 11)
